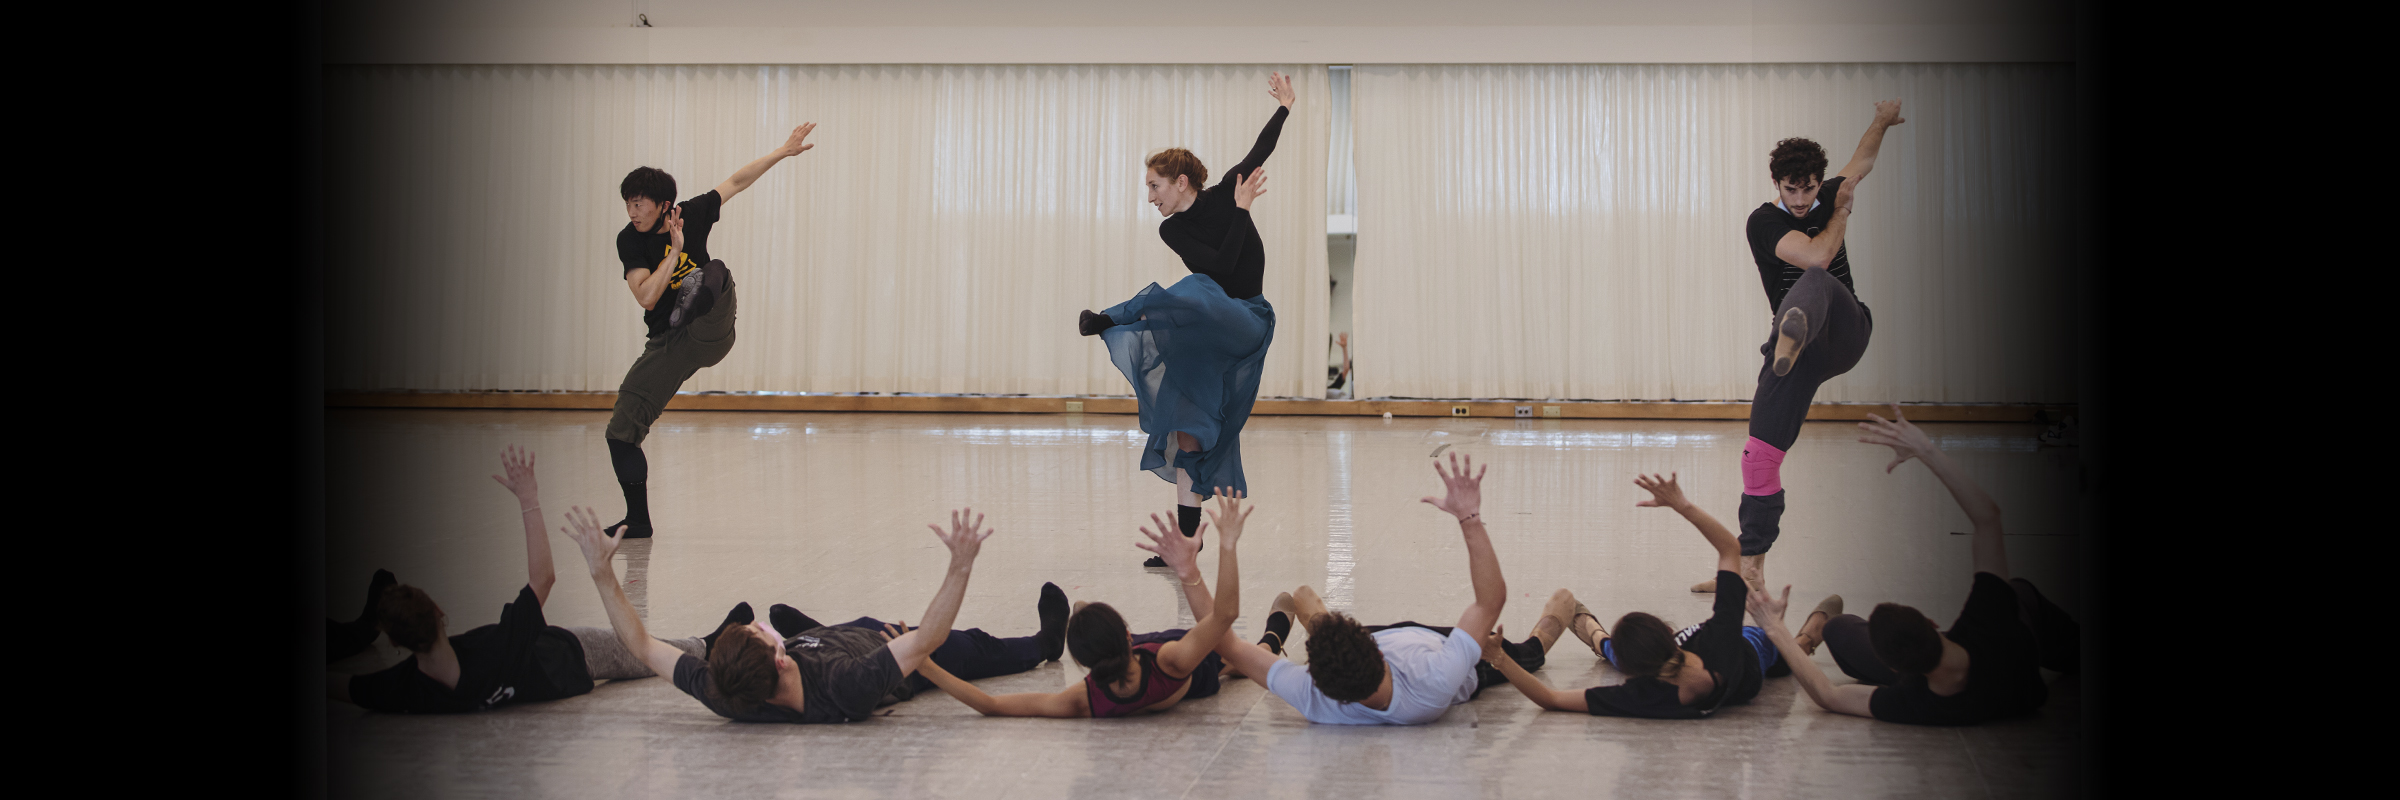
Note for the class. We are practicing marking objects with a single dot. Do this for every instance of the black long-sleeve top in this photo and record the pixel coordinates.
(1215, 237)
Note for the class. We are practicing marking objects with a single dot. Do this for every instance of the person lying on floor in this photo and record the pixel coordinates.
(1987, 666)
(1146, 673)
(522, 658)
(840, 673)
(1403, 674)
(1688, 674)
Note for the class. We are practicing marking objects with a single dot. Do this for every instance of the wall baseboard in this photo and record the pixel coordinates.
(968, 404)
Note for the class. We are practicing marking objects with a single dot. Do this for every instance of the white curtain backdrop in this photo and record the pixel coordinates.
(941, 237)
(1575, 232)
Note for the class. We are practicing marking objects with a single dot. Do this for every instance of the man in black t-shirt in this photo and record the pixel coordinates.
(522, 658)
(688, 307)
(1820, 327)
(1987, 666)
(834, 673)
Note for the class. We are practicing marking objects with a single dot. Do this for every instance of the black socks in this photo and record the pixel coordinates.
(1091, 324)
(740, 615)
(1186, 518)
(1053, 610)
(633, 476)
(346, 639)
(789, 621)
(1279, 628)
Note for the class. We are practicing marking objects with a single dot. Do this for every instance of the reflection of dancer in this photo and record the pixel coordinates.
(1193, 351)
(1137, 674)
(1988, 665)
(1805, 267)
(665, 251)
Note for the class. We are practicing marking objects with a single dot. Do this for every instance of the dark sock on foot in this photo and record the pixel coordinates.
(383, 581)
(1188, 518)
(633, 476)
(346, 639)
(789, 621)
(740, 615)
(1090, 324)
(1052, 609)
(1279, 628)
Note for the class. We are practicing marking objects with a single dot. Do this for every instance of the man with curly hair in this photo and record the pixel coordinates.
(1820, 327)
(1404, 674)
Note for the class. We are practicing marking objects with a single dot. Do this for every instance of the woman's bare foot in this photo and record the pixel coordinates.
(1555, 615)
(1706, 587)
(1586, 627)
(1812, 632)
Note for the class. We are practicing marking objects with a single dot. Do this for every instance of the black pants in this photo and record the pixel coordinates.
(1838, 329)
(2056, 634)
(970, 654)
(1527, 654)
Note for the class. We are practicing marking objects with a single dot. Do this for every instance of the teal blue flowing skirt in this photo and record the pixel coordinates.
(1193, 356)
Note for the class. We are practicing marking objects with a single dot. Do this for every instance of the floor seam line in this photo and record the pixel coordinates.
(1969, 748)
(1220, 751)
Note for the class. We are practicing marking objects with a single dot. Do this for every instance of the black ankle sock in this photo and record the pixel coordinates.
(740, 615)
(789, 621)
(633, 476)
(346, 639)
(1188, 518)
(1052, 609)
(1090, 324)
(376, 586)
(1279, 628)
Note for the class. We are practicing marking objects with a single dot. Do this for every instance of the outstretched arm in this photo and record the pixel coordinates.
(1887, 114)
(1855, 699)
(583, 527)
(1183, 655)
(1665, 493)
(1526, 684)
(1907, 442)
(1463, 499)
(1280, 86)
(540, 572)
(748, 174)
(964, 539)
(1065, 703)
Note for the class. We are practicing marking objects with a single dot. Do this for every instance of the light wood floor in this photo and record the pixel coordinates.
(827, 512)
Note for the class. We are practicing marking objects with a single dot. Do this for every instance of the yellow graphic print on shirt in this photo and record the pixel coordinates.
(683, 267)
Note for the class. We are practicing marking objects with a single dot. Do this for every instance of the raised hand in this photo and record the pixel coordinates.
(517, 462)
(1250, 188)
(1280, 86)
(1848, 193)
(964, 538)
(1905, 440)
(675, 228)
(1229, 516)
(1463, 494)
(1170, 545)
(1764, 607)
(799, 142)
(1887, 113)
(1664, 493)
(1491, 645)
(583, 527)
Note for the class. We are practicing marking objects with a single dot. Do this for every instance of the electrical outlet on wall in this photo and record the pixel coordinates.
(1074, 406)
(1458, 411)
(1524, 411)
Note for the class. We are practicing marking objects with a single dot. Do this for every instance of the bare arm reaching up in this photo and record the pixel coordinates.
(583, 527)
(1907, 442)
(1664, 493)
(1463, 499)
(1855, 699)
(540, 571)
(1887, 114)
(749, 173)
(1183, 655)
(965, 540)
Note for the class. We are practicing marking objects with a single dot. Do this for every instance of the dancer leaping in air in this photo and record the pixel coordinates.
(1193, 351)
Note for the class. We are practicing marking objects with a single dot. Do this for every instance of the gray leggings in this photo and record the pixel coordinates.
(608, 660)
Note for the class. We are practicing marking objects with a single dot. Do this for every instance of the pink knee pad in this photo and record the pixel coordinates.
(1762, 468)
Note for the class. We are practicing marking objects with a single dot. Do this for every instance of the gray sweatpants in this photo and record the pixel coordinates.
(608, 660)
(668, 360)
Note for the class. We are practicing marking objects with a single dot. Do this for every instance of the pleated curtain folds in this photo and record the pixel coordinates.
(1576, 232)
(940, 238)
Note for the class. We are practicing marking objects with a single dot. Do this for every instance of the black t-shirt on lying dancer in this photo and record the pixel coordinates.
(1770, 223)
(522, 658)
(638, 250)
(2004, 672)
(845, 674)
(1217, 238)
(1723, 651)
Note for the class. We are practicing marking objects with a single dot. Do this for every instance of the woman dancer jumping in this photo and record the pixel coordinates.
(1193, 351)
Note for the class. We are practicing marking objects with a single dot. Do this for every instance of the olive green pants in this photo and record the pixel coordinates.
(667, 361)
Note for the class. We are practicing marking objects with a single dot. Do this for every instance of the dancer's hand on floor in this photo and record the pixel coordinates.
(1181, 553)
(518, 463)
(1906, 441)
(1252, 185)
(1463, 496)
(965, 538)
(1664, 492)
(583, 527)
(1769, 608)
(1229, 516)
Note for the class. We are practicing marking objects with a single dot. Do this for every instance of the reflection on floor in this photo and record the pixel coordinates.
(826, 512)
